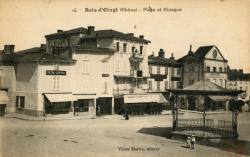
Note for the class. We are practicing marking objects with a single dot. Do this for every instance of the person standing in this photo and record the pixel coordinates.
(192, 142)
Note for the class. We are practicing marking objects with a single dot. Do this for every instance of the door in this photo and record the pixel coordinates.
(104, 105)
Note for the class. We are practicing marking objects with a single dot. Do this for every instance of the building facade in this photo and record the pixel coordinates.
(165, 73)
(207, 62)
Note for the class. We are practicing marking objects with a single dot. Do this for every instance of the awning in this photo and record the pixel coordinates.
(220, 98)
(4, 99)
(145, 98)
(83, 96)
(61, 97)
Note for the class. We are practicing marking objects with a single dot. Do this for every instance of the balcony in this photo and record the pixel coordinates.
(136, 73)
(130, 91)
(136, 57)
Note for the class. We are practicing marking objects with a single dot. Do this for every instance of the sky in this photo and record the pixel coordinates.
(224, 23)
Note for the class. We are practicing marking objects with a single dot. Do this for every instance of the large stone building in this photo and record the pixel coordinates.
(83, 71)
(207, 62)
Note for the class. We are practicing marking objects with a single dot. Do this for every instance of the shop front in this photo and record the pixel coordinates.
(84, 104)
(104, 106)
(58, 103)
(139, 104)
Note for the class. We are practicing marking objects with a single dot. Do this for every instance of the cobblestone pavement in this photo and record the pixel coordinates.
(139, 136)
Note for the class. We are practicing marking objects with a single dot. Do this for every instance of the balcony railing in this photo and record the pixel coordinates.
(130, 91)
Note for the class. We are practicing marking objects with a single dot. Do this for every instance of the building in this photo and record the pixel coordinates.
(207, 62)
(79, 71)
(165, 73)
(238, 80)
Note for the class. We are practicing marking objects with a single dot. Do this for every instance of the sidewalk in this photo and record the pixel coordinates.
(72, 117)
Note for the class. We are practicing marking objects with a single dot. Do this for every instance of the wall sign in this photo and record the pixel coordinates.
(55, 72)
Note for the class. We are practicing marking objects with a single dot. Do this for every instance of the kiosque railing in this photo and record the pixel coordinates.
(196, 125)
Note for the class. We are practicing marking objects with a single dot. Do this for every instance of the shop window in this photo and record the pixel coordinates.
(125, 47)
(150, 85)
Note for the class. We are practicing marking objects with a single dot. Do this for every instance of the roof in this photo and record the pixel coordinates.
(109, 33)
(35, 54)
(68, 32)
(205, 87)
(200, 53)
(235, 75)
(157, 60)
(114, 34)
(92, 49)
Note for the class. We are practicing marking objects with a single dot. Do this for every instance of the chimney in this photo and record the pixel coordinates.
(9, 49)
(190, 50)
(161, 53)
(141, 36)
(172, 56)
(91, 29)
(130, 34)
(59, 31)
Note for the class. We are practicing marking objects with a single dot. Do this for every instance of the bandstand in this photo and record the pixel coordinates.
(204, 127)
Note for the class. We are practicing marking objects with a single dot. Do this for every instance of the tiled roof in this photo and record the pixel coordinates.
(114, 34)
(68, 32)
(93, 49)
(35, 54)
(202, 51)
(163, 61)
(235, 75)
(109, 33)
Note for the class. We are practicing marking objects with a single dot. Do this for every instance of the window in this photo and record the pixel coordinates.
(166, 70)
(125, 47)
(220, 69)
(191, 68)
(117, 46)
(20, 101)
(158, 85)
(105, 87)
(0, 81)
(150, 69)
(166, 84)
(214, 69)
(105, 68)
(191, 82)
(56, 82)
(214, 80)
(150, 85)
(158, 70)
(85, 67)
(208, 68)
(133, 49)
(225, 70)
(178, 71)
(141, 49)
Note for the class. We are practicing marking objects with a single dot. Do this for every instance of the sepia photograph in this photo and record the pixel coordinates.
(102, 78)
